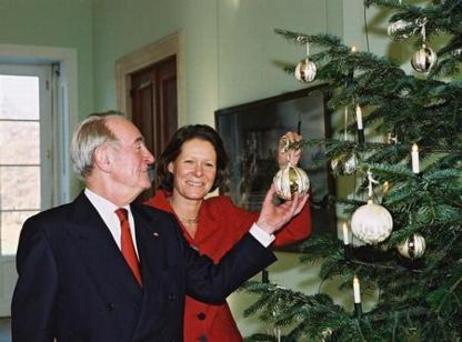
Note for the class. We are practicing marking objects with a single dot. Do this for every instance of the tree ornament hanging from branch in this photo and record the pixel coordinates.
(398, 30)
(413, 247)
(305, 71)
(290, 179)
(457, 52)
(371, 223)
(425, 58)
(347, 166)
(350, 165)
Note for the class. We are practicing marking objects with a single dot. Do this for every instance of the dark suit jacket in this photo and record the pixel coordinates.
(75, 285)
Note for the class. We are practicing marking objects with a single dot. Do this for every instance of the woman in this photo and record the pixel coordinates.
(194, 164)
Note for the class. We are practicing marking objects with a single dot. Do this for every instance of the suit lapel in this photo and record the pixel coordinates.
(100, 253)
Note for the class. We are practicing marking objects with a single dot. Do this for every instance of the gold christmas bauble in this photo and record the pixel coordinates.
(371, 223)
(424, 59)
(305, 71)
(413, 247)
(395, 29)
(349, 167)
(290, 180)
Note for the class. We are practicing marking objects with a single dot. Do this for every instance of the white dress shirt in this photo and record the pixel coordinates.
(106, 210)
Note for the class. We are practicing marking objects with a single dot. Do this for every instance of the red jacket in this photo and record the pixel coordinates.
(221, 225)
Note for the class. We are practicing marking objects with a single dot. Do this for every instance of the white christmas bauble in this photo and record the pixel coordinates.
(395, 30)
(290, 180)
(413, 247)
(305, 71)
(371, 223)
(424, 59)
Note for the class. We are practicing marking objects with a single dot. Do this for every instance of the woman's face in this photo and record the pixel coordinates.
(194, 170)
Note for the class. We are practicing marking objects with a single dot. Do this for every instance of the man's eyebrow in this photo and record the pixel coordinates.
(139, 139)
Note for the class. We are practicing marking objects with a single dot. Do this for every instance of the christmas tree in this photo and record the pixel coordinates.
(406, 211)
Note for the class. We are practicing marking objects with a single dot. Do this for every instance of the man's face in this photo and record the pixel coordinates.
(130, 158)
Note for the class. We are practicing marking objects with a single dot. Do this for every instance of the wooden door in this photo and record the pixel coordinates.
(154, 104)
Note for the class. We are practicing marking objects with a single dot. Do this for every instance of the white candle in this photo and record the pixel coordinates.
(346, 239)
(359, 117)
(415, 159)
(356, 290)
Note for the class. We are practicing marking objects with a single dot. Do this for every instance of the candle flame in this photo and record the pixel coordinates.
(386, 187)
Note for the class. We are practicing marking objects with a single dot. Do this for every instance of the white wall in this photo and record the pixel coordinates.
(229, 45)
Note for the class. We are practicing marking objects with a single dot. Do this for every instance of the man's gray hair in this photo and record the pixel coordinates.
(89, 135)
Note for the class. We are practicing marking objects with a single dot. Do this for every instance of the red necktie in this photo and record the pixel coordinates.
(126, 244)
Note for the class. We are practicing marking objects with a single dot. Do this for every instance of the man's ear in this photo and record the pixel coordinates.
(170, 167)
(103, 158)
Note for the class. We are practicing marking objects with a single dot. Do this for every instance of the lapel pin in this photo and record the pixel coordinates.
(155, 234)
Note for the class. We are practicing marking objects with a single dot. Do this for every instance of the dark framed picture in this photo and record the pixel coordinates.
(251, 133)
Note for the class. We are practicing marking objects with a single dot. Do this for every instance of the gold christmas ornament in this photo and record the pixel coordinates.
(305, 71)
(413, 247)
(334, 163)
(395, 30)
(290, 180)
(371, 223)
(424, 59)
(349, 167)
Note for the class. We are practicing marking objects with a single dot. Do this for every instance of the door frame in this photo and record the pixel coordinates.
(67, 108)
(143, 57)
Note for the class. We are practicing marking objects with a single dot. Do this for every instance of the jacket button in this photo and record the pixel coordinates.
(110, 307)
(171, 297)
(201, 316)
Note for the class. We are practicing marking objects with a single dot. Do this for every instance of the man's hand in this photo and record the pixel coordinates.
(274, 217)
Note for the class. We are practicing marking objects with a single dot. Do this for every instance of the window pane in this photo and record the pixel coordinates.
(11, 224)
(20, 142)
(19, 97)
(20, 187)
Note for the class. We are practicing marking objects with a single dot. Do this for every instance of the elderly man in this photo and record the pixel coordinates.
(102, 269)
